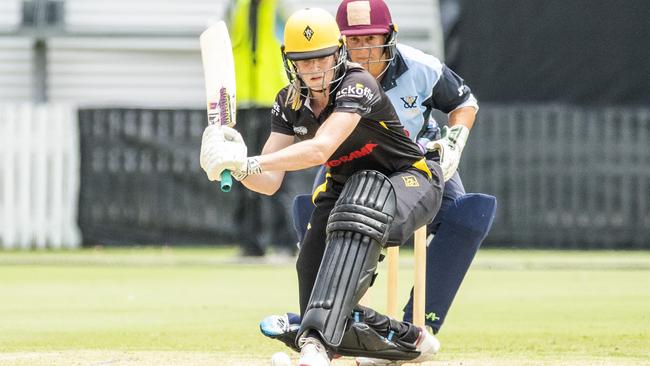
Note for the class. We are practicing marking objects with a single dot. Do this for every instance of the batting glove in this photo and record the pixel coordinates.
(251, 167)
(222, 148)
(450, 147)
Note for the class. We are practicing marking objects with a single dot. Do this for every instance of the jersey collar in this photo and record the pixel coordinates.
(396, 68)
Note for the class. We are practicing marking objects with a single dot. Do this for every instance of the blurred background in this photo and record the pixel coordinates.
(102, 107)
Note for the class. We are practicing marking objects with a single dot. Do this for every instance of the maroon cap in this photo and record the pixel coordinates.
(363, 17)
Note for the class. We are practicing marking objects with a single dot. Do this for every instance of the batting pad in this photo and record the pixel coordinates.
(357, 230)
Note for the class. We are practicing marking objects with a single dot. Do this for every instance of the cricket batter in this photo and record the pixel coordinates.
(417, 83)
(377, 190)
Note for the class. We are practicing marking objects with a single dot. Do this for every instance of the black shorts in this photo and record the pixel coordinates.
(418, 199)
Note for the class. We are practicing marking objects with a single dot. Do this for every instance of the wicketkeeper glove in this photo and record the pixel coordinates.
(450, 147)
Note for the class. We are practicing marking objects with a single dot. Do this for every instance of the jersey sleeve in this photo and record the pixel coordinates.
(279, 121)
(358, 93)
(451, 92)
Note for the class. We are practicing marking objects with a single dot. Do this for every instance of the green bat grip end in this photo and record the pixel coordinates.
(226, 181)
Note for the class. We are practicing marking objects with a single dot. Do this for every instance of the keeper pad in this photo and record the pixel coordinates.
(357, 229)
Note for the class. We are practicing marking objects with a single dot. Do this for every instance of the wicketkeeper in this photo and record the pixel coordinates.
(377, 190)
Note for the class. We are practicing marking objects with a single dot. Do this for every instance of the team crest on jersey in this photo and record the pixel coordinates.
(308, 33)
(300, 130)
(409, 102)
(410, 181)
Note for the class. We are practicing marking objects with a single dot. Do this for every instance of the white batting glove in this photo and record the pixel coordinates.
(450, 147)
(251, 167)
(222, 148)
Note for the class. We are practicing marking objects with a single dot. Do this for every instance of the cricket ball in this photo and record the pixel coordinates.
(280, 359)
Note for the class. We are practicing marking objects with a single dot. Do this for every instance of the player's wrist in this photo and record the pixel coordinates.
(250, 167)
(423, 144)
(253, 165)
(457, 136)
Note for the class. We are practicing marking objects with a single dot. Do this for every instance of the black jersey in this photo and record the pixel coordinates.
(377, 143)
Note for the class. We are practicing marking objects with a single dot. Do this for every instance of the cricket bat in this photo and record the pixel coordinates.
(219, 73)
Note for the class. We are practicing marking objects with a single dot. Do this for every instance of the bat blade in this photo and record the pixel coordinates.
(220, 87)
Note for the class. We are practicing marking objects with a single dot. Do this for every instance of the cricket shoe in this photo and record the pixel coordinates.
(312, 352)
(427, 344)
(275, 325)
(283, 328)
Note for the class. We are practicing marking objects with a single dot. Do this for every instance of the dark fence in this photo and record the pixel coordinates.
(140, 179)
(565, 177)
(141, 182)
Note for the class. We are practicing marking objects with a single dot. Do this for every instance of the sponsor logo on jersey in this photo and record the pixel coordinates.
(364, 151)
(300, 130)
(359, 90)
(409, 102)
(410, 181)
(275, 110)
(463, 89)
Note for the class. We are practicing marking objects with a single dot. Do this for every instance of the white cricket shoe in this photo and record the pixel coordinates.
(312, 353)
(276, 325)
(427, 344)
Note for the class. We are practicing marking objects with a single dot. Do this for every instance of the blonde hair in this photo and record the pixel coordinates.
(293, 95)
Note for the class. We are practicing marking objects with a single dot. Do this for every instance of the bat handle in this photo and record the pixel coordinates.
(226, 181)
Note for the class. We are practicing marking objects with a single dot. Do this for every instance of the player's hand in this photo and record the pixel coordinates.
(450, 147)
(222, 148)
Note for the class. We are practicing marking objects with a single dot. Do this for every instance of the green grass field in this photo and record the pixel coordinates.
(202, 307)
